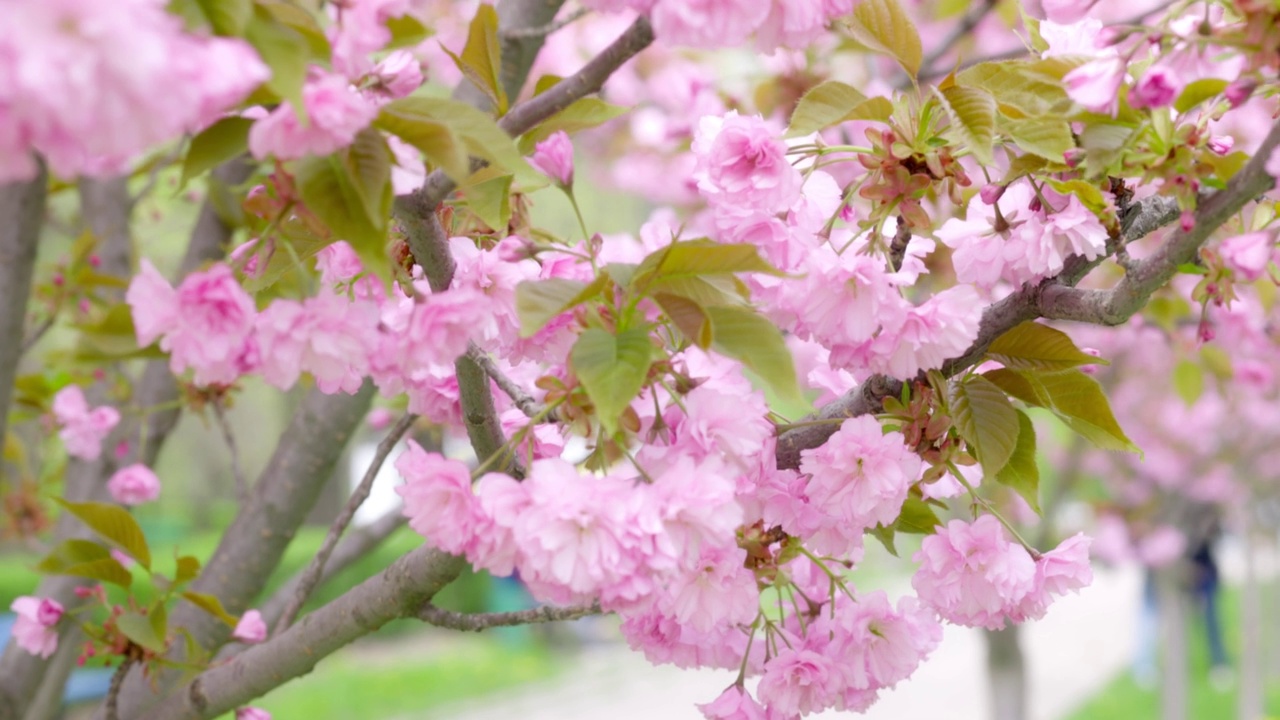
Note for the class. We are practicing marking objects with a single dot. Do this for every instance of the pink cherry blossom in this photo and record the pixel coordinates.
(83, 428)
(1059, 571)
(707, 23)
(252, 713)
(399, 74)
(35, 629)
(1248, 255)
(664, 640)
(502, 501)
(134, 485)
(1096, 84)
(798, 680)
(206, 328)
(338, 263)
(791, 24)
(70, 94)
(335, 113)
(735, 703)
(554, 157)
(361, 29)
(861, 475)
(251, 628)
(328, 335)
(718, 591)
(743, 163)
(1066, 12)
(437, 498)
(971, 574)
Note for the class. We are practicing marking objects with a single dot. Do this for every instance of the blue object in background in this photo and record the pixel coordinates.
(84, 685)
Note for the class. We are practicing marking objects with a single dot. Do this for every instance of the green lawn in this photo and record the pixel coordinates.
(351, 685)
(1123, 699)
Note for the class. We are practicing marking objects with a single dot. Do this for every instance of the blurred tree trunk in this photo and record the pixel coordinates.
(1006, 673)
(1250, 699)
(1172, 603)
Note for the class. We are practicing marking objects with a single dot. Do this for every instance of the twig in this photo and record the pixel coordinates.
(113, 692)
(311, 576)
(962, 29)
(523, 400)
(30, 341)
(475, 622)
(543, 30)
(898, 248)
(242, 485)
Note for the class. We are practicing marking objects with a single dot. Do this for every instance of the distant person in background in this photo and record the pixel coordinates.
(1206, 585)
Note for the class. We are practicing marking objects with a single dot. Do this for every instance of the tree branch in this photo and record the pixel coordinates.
(976, 14)
(354, 545)
(475, 622)
(311, 576)
(1118, 304)
(544, 30)
(21, 217)
(398, 592)
(523, 400)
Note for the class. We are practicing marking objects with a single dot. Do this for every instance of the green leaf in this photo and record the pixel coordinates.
(612, 369)
(1021, 474)
(228, 17)
(303, 22)
(885, 536)
(188, 568)
(583, 114)
(481, 58)
(696, 258)
(1077, 399)
(218, 143)
(917, 518)
(406, 31)
(137, 627)
(83, 558)
(447, 131)
(159, 618)
(285, 51)
(115, 525)
(834, 102)
(884, 26)
(350, 191)
(1049, 138)
(1022, 89)
(1188, 381)
(986, 420)
(707, 290)
(973, 118)
(1197, 91)
(1087, 193)
(488, 194)
(688, 316)
(211, 605)
(746, 336)
(1032, 346)
(538, 302)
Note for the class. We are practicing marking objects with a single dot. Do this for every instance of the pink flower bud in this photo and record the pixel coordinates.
(1221, 144)
(1205, 332)
(122, 450)
(1073, 157)
(848, 213)
(95, 261)
(554, 157)
(251, 629)
(399, 73)
(1187, 220)
(1239, 91)
(134, 485)
(990, 194)
(379, 418)
(252, 713)
(1157, 88)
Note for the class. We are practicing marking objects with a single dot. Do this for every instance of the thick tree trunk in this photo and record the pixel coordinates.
(1250, 698)
(1006, 673)
(1173, 632)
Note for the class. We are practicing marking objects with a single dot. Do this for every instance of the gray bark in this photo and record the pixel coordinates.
(1174, 671)
(1006, 673)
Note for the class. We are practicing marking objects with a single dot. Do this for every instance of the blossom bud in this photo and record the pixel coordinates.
(1221, 144)
(1157, 88)
(1187, 220)
(134, 485)
(554, 157)
(1239, 91)
(251, 628)
(991, 194)
(1073, 157)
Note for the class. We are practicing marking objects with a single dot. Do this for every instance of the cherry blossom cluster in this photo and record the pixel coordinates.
(730, 23)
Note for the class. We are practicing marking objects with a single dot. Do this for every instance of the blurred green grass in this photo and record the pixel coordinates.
(1124, 699)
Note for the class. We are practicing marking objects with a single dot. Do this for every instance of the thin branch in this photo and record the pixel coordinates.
(30, 340)
(898, 248)
(1118, 304)
(976, 14)
(523, 400)
(242, 485)
(113, 692)
(311, 576)
(355, 545)
(475, 622)
(543, 31)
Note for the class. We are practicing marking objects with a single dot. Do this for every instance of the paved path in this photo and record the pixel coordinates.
(1085, 640)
